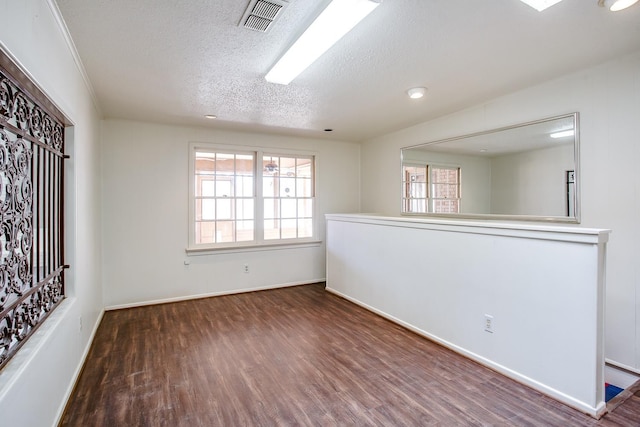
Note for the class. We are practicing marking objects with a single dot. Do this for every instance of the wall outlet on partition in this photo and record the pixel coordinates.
(488, 323)
(80, 322)
(246, 268)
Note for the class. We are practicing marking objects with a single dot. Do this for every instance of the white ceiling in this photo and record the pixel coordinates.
(173, 61)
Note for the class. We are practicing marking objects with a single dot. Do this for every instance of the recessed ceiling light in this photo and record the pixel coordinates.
(416, 92)
(211, 116)
(616, 5)
(562, 134)
(540, 5)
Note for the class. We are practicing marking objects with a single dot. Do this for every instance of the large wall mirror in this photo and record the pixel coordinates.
(522, 172)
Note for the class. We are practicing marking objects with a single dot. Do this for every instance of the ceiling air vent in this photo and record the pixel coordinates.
(261, 14)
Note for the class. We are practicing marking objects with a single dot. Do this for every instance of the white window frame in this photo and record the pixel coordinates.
(429, 198)
(431, 184)
(259, 242)
(406, 199)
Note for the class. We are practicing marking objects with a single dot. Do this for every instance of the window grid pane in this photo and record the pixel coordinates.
(288, 196)
(271, 229)
(305, 228)
(305, 208)
(224, 197)
(414, 182)
(224, 191)
(445, 189)
(429, 188)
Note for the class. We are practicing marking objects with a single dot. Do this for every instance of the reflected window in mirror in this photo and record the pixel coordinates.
(445, 189)
(415, 188)
(527, 171)
(431, 188)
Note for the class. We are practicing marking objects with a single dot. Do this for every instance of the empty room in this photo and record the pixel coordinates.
(332, 212)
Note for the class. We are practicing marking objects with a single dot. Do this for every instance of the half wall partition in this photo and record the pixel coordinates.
(526, 300)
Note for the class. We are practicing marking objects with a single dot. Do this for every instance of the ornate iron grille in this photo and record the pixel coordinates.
(31, 214)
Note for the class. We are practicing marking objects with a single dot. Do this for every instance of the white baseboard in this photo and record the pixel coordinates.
(83, 359)
(595, 412)
(620, 375)
(210, 294)
(78, 371)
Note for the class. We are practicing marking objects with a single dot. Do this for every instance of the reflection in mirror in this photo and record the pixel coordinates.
(527, 171)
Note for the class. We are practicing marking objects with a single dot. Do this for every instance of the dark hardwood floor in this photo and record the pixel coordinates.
(290, 357)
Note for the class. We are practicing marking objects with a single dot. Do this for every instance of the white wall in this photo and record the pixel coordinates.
(608, 100)
(440, 279)
(531, 183)
(35, 384)
(145, 211)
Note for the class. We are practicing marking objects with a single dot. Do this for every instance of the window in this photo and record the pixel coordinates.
(247, 198)
(31, 184)
(415, 189)
(224, 197)
(444, 189)
(430, 189)
(287, 188)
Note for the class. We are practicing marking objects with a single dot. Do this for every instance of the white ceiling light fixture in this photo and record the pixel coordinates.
(416, 92)
(616, 5)
(562, 134)
(334, 22)
(540, 5)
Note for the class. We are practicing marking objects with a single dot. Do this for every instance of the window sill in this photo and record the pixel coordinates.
(252, 247)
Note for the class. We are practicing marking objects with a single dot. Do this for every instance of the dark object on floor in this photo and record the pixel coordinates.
(611, 391)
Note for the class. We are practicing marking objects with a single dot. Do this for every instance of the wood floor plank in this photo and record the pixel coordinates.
(292, 357)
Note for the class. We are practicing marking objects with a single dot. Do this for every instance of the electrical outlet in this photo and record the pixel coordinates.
(488, 323)
(80, 322)
(246, 268)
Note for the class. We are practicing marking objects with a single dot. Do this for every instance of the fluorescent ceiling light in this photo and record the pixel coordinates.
(562, 134)
(540, 5)
(333, 23)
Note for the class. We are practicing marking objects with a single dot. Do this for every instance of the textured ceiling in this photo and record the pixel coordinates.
(173, 61)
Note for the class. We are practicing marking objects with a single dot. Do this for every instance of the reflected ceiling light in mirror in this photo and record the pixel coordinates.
(540, 5)
(562, 134)
(416, 92)
(334, 22)
(616, 5)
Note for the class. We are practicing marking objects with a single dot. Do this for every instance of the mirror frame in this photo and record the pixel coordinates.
(507, 217)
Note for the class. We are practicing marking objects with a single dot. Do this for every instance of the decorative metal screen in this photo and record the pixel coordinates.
(31, 207)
